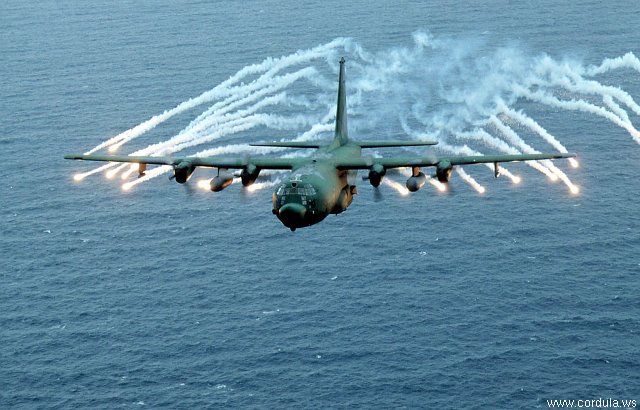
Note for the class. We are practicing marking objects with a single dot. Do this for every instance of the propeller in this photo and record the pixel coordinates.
(378, 196)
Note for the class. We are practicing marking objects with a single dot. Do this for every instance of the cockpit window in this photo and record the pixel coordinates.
(306, 190)
(309, 190)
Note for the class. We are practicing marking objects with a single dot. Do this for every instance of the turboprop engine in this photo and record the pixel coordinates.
(376, 173)
(443, 171)
(182, 171)
(249, 174)
(417, 180)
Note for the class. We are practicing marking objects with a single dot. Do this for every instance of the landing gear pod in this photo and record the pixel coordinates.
(496, 169)
(141, 168)
(417, 180)
(221, 181)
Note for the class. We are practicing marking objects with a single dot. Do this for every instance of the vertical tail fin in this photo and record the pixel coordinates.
(341, 137)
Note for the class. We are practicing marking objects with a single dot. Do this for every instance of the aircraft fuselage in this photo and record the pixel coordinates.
(316, 189)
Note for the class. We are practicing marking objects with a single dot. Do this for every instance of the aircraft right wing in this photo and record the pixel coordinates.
(446, 162)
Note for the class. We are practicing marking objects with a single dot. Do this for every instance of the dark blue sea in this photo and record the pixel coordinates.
(169, 296)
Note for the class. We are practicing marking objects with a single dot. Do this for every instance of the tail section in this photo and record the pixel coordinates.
(341, 137)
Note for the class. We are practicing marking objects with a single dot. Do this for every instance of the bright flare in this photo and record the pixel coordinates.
(574, 189)
(514, 178)
(574, 163)
(439, 185)
(262, 185)
(78, 177)
(130, 171)
(204, 184)
(397, 186)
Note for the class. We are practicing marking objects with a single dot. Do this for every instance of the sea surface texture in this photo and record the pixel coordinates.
(492, 294)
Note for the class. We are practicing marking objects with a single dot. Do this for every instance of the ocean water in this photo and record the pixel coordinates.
(172, 297)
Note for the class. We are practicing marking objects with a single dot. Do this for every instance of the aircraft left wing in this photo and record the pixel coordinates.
(211, 162)
(431, 161)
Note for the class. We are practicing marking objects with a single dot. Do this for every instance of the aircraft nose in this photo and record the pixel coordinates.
(292, 215)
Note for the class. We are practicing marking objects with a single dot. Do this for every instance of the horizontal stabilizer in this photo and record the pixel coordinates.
(386, 144)
(362, 144)
(288, 144)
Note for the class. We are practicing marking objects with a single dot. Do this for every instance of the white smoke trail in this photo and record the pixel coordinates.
(548, 169)
(277, 83)
(485, 137)
(401, 189)
(225, 121)
(511, 135)
(468, 179)
(533, 125)
(549, 73)
(629, 60)
(241, 123)
(552, 171)
(580, 105)
(615, 108)
(270, 65)
(160, 150)
(82, 175)
(256, 186)
(529, 122)
(478, 134)
(250, 93)
(235, 122)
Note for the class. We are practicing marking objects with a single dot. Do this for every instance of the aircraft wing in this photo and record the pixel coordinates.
(340, 163)
(211, 162)
(430, 161)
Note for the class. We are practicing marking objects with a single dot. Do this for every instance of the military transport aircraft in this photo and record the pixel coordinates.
(320, 184)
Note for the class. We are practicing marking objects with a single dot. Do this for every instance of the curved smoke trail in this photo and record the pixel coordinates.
(439, 87)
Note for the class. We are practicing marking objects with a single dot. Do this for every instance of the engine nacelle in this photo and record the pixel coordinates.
(376, 173)
(220, 182)
(443, 171)
(416, 182)
(249, 174)
(182, 172)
